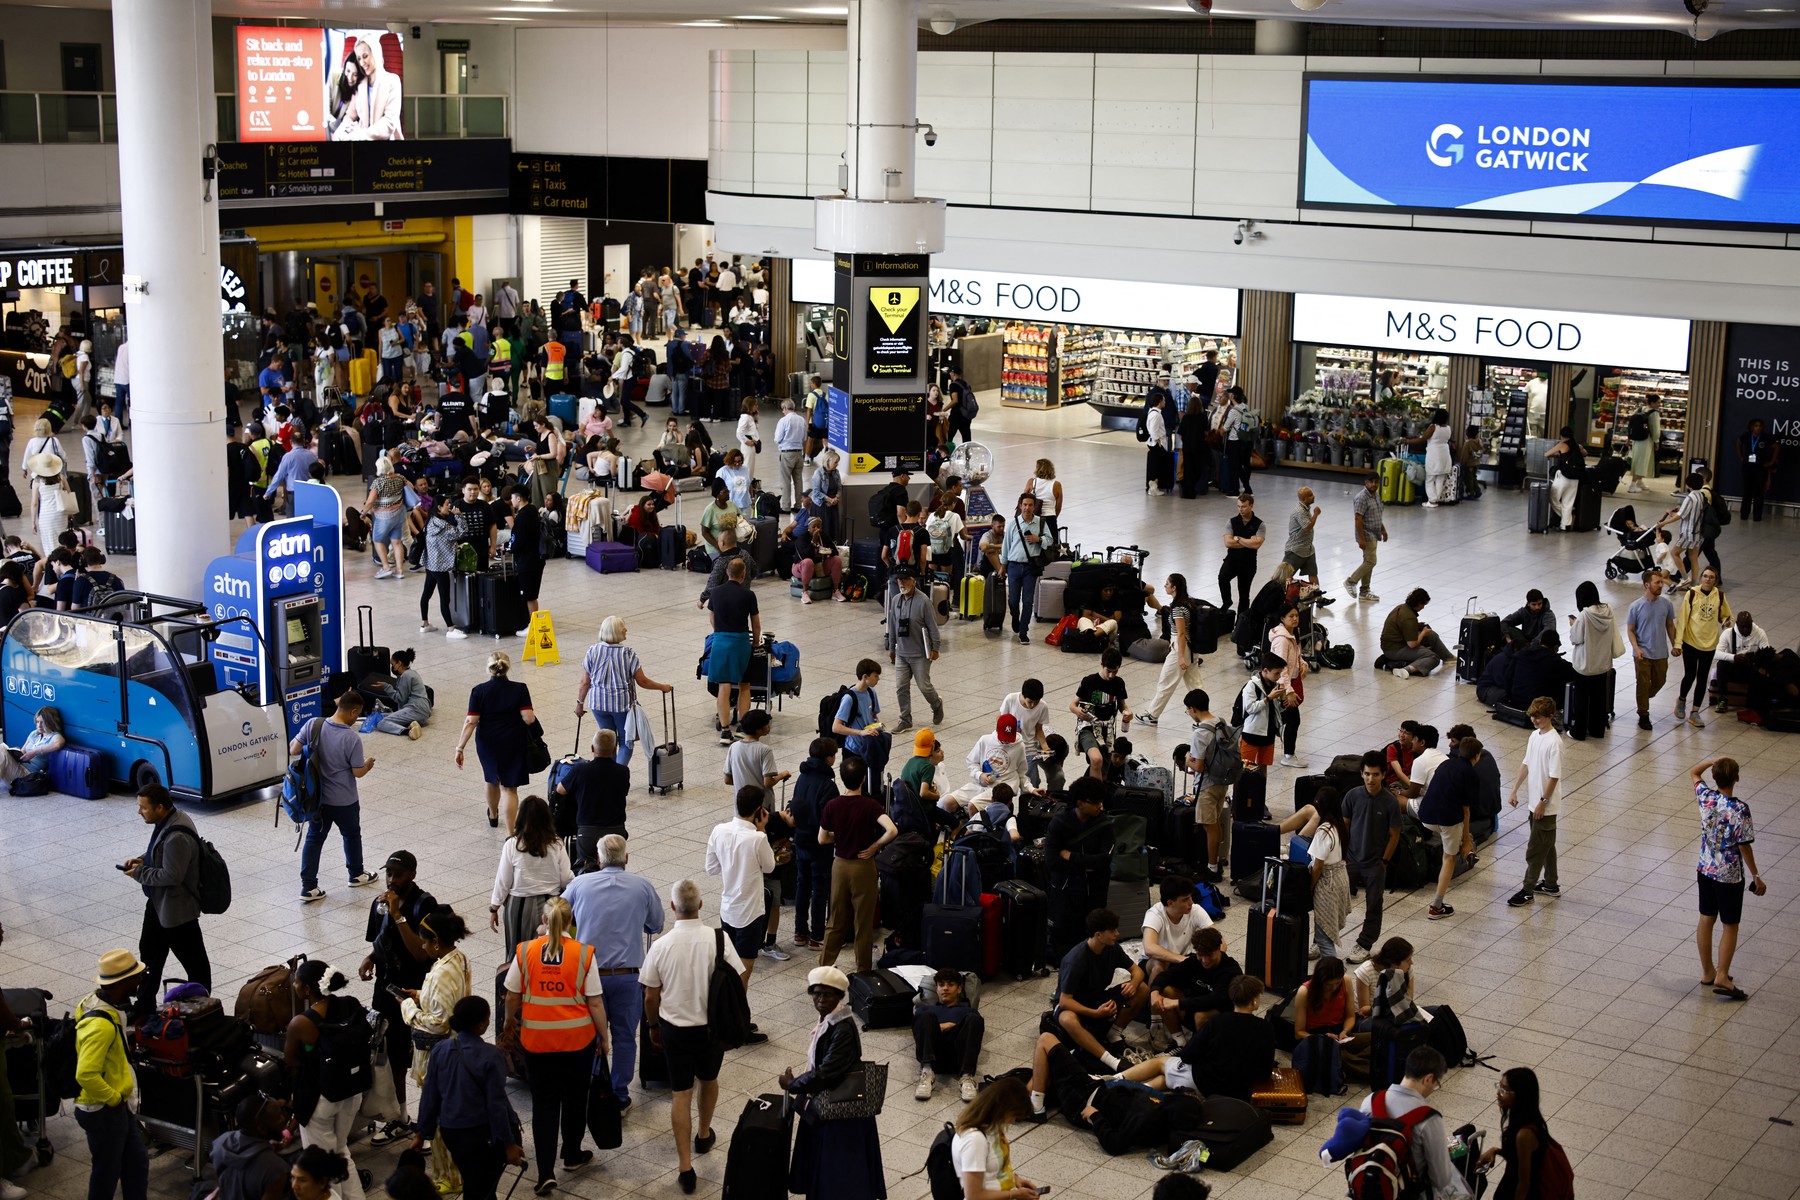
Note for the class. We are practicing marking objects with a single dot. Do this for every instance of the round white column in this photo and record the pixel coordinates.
(167, 117)
(883, 95)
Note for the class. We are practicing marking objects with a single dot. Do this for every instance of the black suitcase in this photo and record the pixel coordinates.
(761, 1139)
(1587, 506)
(1210, 624)
(366, 658)
(881, 999)
(1537, 506)
(1034, 816)
(993, 605)
(1250, 796)
(653, 1066)
(1295, 889)
(119, 529)
(1180, 837)
(649, 553)
(501, 609)
(1024, 924)
(951, 936)
(465, 603)
(1479, 638)
(902, 896)
(1138, 802)
(1389, 1044)
(1251, 843)
(673, 547)
(1033, 868)
(1276, 941)
(1233, 1130)
(1307, 786)
(768, 504)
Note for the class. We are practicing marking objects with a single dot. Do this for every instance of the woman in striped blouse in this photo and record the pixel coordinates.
(610, 677)
(427, 1012)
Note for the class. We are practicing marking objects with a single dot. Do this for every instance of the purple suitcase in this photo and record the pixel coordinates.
(610, 558)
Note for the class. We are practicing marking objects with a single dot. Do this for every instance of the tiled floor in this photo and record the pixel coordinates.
(1656, 1087)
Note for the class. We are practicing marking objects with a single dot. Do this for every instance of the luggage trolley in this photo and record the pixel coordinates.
(33, 1105)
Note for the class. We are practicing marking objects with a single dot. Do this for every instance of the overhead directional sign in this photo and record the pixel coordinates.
(323, 170)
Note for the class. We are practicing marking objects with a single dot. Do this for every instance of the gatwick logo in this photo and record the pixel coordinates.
(1514, 147)
(1449, 154)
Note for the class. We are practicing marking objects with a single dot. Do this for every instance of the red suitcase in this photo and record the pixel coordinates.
(993, 942)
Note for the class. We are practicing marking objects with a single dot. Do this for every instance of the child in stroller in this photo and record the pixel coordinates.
(1635, 545)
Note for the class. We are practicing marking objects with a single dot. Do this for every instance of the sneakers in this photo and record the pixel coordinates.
(1024, 639)
(1288, 760)
(1722, 707)
(1695, 721)
(525, 632)
(1547, 889)
(384, 574)
(1312, 954)
(1401, 672)
(726, 737)
(1357, 955)
(579, 1161)
(364, 880)
(1644, 721)
(545, 1186)
(1519, 900)
(427, 627)
(1369, 598)
(904, 725)
(1146, 719)
(968, 1086)
(703, 1145)
(1349, 587)
(1438, 912)
(393, 1131)
(12, 1191)
(688, 1181)
(1681, 710)
(927, 1081)
(937, 717)
(1326, 601)
(413, 730)
(772, 951)
(756, 1039)
(455, 635)
(312, 895)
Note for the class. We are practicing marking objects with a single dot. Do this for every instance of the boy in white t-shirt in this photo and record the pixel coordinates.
(1541, 775)
(1169, 927)
(1027, 705)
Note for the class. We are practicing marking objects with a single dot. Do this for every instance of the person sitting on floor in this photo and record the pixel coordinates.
(1188, 1003)
(1130, 1111)
(1230, 1055)
(1093, 1004)
(947, 1037)
(1524, 624)
(1495, 684)
(1540, 670)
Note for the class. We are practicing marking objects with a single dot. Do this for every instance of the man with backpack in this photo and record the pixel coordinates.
(963, 407)
(169, 873)
(1216, 761)
(337, 756)
(1401, 1109)
(103, 1106)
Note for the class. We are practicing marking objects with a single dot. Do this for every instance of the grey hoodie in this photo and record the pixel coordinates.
(1594, 640)
(246, 1166)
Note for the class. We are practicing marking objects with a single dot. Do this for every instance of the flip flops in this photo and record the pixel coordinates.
(1732, 993)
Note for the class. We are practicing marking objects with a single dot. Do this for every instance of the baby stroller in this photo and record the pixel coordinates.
(1635, 542)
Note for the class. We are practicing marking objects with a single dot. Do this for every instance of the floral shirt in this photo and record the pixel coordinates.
(1724, 826)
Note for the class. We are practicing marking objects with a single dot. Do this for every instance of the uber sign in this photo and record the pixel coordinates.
(1491, 331)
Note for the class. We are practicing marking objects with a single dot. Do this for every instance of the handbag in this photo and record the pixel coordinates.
(858, 1094)
(537, 754)
(604, 1121)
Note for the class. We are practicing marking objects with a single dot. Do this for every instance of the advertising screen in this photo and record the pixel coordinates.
(1697, 153)
(316, 85)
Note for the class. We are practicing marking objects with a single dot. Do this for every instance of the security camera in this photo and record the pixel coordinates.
(1237, 238)
(943, 26)
(1246, 229)
(930, 134)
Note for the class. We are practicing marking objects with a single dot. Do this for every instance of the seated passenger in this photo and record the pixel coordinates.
(1495, 684)
(1322, 1007)
(1099, 991)
(1201, 991)
(1169, 928)
(947, 1037)
(1540, 670)
(45, 738)
(1129, 1112)
(1230, 1056)
(1384, 985)
(1524, 624)
(812, 554)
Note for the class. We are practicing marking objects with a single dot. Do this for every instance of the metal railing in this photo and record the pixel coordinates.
(62, 118)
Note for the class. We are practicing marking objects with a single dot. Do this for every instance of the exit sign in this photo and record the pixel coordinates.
(392, 226)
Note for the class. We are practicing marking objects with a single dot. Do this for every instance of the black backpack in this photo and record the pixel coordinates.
(59, 1055)
(828, 708)
(940, 1169)
(1637, 426)
(213, 889)
(727, 1008)
(344, 1049)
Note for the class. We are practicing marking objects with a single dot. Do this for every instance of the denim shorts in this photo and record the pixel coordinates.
(387, 528)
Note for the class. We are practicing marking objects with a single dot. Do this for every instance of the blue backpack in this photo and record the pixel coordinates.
(959, 880)
(784, 662)
(300, 788)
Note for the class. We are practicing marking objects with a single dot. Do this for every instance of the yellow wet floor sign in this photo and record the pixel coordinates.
(540, 639)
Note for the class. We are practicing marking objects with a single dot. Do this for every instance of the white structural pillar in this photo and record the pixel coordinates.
(880, 213)
(170, 215)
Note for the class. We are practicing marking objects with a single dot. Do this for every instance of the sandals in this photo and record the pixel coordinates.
(1732, 993)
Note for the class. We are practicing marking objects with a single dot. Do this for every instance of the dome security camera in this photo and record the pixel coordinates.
(943, 26)
(930, 134)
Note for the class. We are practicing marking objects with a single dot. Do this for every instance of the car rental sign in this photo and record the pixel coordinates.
(1693, 152)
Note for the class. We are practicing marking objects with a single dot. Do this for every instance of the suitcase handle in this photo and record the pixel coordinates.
(365, 626)
(1272, 866)
(577, 750)
(1469, 608)
(668, 715)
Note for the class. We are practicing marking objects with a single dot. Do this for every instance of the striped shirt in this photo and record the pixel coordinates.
(610, 671)
(445, 984)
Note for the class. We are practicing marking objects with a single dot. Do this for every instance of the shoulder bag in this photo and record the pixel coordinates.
(859, 1094)
(1036, 557)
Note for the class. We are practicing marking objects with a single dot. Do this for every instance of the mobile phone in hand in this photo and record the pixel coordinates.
(396, 991)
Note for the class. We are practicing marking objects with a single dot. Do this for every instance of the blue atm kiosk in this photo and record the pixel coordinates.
(288, 577)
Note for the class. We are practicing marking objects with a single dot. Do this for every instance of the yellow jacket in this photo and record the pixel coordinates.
(1700, 618)
(102, 1067)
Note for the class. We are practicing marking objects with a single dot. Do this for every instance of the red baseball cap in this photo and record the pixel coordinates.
(1007, 727)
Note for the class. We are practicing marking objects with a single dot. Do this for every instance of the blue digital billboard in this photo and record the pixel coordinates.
(1712, 153)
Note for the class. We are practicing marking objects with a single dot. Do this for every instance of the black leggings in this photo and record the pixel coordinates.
(1290, 729)
(1244, 571)
(1696, 669)
(559, 1092)
(439, 582)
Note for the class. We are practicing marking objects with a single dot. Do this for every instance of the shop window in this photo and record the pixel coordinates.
(1355, 406)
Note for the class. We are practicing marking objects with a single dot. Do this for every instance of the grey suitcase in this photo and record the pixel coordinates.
(665, 759)
(1049, 606)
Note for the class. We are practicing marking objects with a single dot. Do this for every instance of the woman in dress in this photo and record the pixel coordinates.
(1330, 875)
(749, 440)
(325, 1107)
(500, 717)
(980, 1151)
(426, 1012)
(386, 510)
(43, 441)
(611, 674)
(534, 866)
(52, 504)
(839, 1159)
(1440, 464)
(1523, 1136)
(715, 379)
(1643, 450)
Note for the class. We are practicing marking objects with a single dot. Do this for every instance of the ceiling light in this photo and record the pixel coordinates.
(1308, 5)
(1624, 19)
(702, 24)
(829, 10)
(758, 17)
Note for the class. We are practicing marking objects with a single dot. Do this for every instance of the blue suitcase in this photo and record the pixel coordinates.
(951, 936)
(564, 407)
(611, 558)
(75, 771)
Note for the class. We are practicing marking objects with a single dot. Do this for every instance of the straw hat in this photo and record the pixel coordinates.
(45, 465)
(117, 966)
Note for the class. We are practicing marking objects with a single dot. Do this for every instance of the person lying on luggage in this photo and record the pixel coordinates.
(1425, 1070)
(1099, 991)
(1524, 625)
(947, 1037)
(1230, 1056)
(1129, 1112)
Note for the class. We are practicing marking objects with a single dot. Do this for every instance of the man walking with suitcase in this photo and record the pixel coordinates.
(911, 636)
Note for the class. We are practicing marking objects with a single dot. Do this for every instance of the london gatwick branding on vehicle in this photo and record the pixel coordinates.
(1693, 152)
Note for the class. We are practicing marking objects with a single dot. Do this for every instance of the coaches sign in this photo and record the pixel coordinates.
(1492, 331)
(1662, 151)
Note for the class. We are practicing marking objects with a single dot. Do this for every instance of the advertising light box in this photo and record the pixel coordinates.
(1677, 152)
(317, 85)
